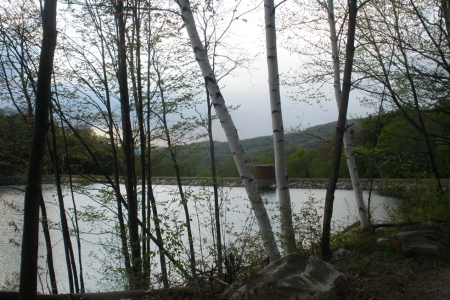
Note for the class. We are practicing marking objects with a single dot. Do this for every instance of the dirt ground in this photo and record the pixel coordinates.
(385, 275)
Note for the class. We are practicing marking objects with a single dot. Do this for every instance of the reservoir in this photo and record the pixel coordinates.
(100, 244)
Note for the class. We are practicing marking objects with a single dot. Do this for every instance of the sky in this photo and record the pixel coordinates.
(249, 89)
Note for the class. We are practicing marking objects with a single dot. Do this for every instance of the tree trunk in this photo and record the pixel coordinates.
(215, 187)
(173, 157)
(48, 244)
(237, 151)
(284, 198)
(136, 80)
(351, 164)
(67, 157)
(127, 146)
(212, 158)
(68, 249)
(421, 124)
(142, 140)
(340, 130)
(30, 239)
(115, 161)
(75, 212)
(151, 201)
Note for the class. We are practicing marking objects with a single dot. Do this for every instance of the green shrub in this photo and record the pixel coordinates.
(424, 201)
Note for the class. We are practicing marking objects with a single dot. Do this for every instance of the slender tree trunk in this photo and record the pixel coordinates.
(215, 187)
(142, 138)
(372, 159)
(68, 249)
(136, 78)
(284, 198)
(127, 146)
(115, 159)
(156, 221)
(114, 183)
(30, 240)
(340, 130)
(48, 244)
(212, 157)
(348, 149)
(151, 201)
(67, 157)
(417, 109)
(75, 211)
(120, 198)
(237, 151)
(173, 157)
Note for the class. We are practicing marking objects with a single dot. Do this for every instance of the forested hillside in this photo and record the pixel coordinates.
(309, 151)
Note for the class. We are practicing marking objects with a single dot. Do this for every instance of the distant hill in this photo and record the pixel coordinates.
(310, 138)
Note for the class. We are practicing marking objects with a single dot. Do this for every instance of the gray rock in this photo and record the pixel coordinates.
(293, 276)
(382, 240)
(425, 237)
(340, 254)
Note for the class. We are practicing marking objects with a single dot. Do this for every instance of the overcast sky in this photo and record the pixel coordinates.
(249, 89)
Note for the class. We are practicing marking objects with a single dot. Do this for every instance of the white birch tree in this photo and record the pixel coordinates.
(284, 198)
(226, 121)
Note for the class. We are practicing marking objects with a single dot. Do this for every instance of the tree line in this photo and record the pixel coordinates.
(308, 152)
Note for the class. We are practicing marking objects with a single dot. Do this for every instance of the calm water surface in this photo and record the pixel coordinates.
(99, 243)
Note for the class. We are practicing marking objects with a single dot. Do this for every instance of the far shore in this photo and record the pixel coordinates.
(301, 183)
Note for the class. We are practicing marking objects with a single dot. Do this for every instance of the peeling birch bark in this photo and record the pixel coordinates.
(218, 102)
(284, 198)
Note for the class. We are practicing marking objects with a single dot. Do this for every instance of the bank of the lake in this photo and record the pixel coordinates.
(385, 186)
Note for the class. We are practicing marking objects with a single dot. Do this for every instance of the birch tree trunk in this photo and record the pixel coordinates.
(348, 149)
(30, 238)
(340, 130)
(218, 103)
(284, 198)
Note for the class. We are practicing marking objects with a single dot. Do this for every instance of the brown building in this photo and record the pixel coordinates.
(264, 175)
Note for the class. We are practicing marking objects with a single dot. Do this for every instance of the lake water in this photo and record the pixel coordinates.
(100, 245)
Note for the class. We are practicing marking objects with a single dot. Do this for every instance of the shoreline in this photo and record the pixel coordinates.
(307, 183)
(342, 184)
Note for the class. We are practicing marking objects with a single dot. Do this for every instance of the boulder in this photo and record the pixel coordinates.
(293, 276)
(382, 240)
(425, 237)
(340, 254)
